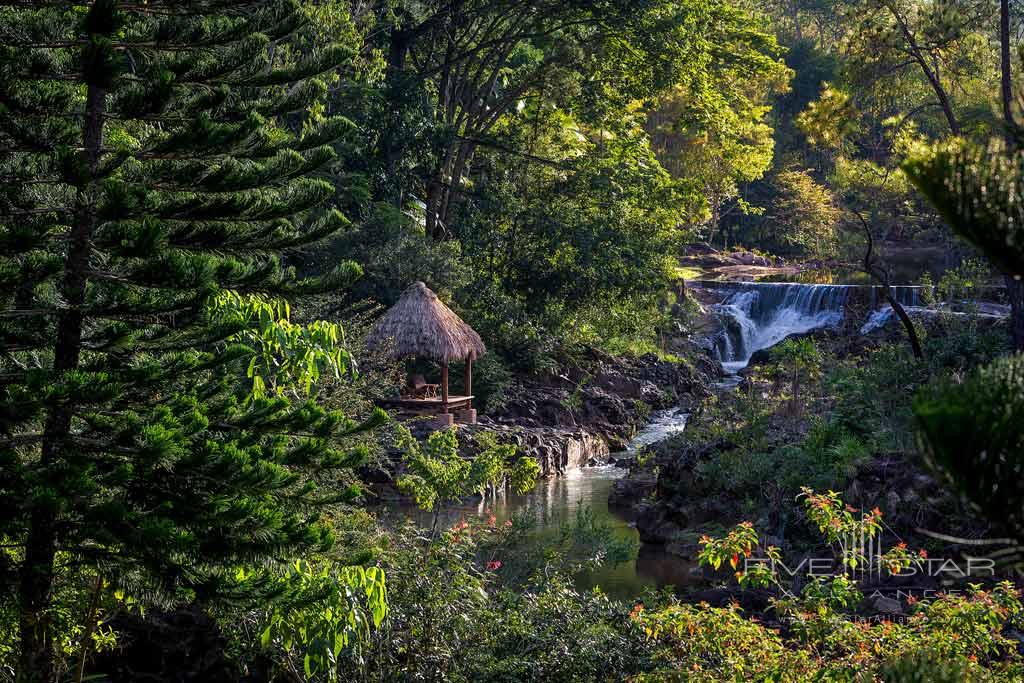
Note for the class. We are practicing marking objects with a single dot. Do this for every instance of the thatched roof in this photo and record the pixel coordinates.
(421, 325)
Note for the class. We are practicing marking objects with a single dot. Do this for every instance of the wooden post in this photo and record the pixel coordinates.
(468, 379)
(444, 388)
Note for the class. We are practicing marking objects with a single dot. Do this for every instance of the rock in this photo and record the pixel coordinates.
(884, 605)
(748, 258)
(623, 461)
(657, 525)
(557, 451)
(626, 492)
(760, 357)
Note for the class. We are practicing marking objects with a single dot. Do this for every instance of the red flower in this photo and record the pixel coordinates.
(493, 565)
(491, 520)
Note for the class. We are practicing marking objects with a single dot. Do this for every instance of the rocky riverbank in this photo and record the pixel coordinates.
(742, 265)
(579, 416)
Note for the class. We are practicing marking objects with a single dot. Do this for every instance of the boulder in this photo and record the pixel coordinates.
(657, 525)
(627, 491)
(884, 605)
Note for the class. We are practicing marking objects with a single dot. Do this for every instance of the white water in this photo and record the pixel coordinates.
(759, 316)
(881, 317)
(663, 424)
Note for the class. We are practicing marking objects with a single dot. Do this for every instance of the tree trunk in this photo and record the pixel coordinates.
(1014, 285)
(444, 388)
(882, 276)
(1006, 78)
(432, 219)
(946, 104)
(908, 324)
(36, 660)
(398, 49)
(933, 75)
(452, 193)
(1015, 291)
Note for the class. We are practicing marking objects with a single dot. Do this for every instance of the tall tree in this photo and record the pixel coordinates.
(147, 169)
(1014, 281)
(937, 41)
(712, 130)
(481, 61)
(972, 428)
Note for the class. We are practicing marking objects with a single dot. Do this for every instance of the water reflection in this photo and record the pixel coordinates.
(555, 501)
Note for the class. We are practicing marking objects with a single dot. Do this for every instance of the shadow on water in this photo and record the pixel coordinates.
(555, 501)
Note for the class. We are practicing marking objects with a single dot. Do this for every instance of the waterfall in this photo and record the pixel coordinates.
(760, 315)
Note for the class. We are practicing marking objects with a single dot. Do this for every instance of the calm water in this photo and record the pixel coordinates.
(556, 500)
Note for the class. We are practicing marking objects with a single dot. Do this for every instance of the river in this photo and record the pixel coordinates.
(762, 314)
(556, 500)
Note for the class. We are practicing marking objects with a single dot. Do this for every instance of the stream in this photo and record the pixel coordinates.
(556, 500)
(755, 316)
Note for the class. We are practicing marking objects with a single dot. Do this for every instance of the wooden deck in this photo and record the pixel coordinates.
(429, 406)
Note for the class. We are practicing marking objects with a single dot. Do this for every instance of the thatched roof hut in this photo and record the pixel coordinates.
(421, 325)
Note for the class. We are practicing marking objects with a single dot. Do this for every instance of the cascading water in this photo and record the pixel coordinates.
(882, 313)
(760, 315)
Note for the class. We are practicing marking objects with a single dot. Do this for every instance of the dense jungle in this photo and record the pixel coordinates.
(511, 340)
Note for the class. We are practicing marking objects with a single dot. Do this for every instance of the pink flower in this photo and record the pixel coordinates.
(493, 565)
(508, 522)
(491, 520)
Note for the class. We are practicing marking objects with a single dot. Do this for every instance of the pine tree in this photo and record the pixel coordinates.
(971, 428)
(154, 154)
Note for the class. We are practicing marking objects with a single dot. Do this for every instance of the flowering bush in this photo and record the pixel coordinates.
(818, 634)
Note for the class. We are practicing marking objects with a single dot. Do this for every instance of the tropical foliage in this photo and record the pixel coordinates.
(203, 205)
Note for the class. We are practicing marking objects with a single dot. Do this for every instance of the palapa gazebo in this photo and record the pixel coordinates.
(421, 326)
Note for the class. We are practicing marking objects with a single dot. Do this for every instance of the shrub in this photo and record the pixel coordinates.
(492, 379)
(476, 605)
(953, 637)
(972, 431)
